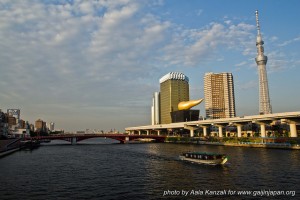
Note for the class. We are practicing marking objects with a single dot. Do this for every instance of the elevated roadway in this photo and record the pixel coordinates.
(291, 118)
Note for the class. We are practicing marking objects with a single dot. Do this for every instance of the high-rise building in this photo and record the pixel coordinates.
(261, 61)
(21, 123)
(11, 121)
(155, 109)
(51, 128)
(14, 113)
(174, 88)
(219, 95)
(39, 125)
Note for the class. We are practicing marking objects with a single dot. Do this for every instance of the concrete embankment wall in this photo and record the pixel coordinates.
(9, 146)
(5, 153)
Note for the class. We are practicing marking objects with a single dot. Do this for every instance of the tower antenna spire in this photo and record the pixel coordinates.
(257, 22)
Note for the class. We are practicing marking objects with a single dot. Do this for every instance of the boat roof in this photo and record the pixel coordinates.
(205, 153)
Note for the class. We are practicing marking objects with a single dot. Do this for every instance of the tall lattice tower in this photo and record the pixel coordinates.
(261, 61)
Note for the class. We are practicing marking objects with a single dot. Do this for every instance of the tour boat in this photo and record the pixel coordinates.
(204, 158)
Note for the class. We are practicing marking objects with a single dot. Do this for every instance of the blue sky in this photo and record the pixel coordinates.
(96, 64)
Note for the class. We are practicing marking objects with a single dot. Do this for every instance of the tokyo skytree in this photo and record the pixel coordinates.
(261, 61)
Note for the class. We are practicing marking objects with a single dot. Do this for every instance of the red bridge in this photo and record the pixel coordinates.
(74, 138)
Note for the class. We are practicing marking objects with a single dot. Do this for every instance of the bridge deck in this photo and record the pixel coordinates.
(78, 137)
(244, 119)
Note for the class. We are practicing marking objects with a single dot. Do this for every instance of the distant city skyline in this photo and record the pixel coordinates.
(95, 64)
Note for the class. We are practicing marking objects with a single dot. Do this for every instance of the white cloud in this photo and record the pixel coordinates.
(71, 54)
(285, 43)
(241, 64)
(277, 61)
(273, 39)
(227, 22)
(193, 47)
(94, 55)
(199, 12)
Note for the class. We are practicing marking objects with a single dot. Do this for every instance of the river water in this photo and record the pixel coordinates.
(102, 169)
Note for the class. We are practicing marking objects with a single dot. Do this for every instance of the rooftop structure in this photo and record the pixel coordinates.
(174, 76)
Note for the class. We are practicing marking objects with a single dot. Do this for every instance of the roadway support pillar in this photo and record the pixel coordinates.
(73, 140)
(293, 129)
(204, 131)
(220, 129)
(239, 130)
(263, 130)
(147, 132)
(263, 126)
(139, 132)
(192, 133)
(238, 127)
(158, 132)
(192, 129)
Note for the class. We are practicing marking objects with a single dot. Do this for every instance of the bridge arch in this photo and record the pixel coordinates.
(73, 138)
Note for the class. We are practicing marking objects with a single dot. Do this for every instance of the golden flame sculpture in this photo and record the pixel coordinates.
(185, 105)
